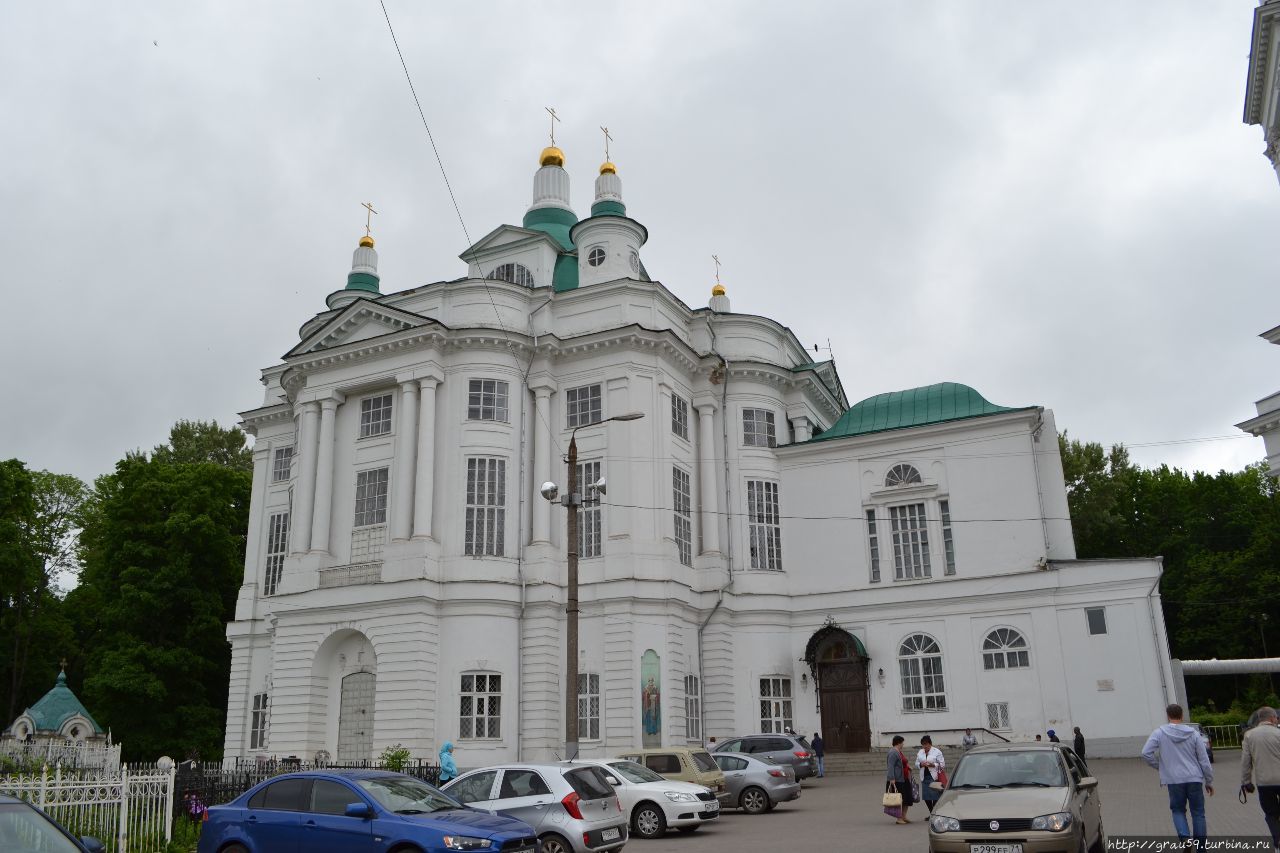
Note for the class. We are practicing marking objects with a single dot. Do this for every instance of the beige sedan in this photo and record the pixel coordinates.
(1019, 798)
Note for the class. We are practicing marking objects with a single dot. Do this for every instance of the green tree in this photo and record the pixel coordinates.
(205, 441)
(1095, 479)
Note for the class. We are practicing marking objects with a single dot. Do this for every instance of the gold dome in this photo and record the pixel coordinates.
(366, 241)
(718, 290)
(551, 156)
(607, 168)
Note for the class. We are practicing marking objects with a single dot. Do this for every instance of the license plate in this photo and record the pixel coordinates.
(995, 848)
(614, 835)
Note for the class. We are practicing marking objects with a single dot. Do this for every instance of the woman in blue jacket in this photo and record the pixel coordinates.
(448, 769)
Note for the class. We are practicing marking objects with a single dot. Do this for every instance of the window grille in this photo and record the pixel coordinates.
(683, 504)
(282, 466)
(486, 507)
(920, 666)
(680, 416)
(902, 475)
(487, 400)
(375, 415)
(514, 273)
(998, 715)
(1005, 648)
(582, 406)
(590, 527)
(758, 428)
(764, 525)
(277, 547)
(259, 721)
(873, 541)
(910, 541)
(948, 546)
(589, 705)
(693, 707)
(480, 706)
(371, 497)
(775, 704)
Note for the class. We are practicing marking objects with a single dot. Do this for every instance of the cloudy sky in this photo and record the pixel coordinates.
(1054, 203)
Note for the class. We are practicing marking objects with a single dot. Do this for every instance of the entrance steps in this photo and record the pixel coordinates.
(848, 763)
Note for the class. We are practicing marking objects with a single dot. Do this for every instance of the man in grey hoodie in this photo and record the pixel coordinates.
(1179, 753)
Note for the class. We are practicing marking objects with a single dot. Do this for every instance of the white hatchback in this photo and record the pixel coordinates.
(654, 804)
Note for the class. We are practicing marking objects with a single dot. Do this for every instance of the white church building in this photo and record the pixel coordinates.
(766, 556)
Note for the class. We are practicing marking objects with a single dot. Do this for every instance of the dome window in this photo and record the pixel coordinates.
(596, 257)
(514, 273)
(902, 475)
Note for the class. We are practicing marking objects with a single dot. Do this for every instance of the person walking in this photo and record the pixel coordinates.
(1053, 737)
(1177, 751)
(897, 775)
(1078, 744)
(968, 741)
(931, 763)
(819, 750)
(448, 767)
(1260, 768)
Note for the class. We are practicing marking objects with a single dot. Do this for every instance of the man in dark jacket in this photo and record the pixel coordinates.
(819, 750)
(1078, 744)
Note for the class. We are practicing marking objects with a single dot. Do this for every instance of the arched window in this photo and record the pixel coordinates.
(1005, 648)
(920, 665)
(514, 273)
(902, 475)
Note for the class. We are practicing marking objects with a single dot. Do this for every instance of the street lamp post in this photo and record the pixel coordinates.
(571, 501)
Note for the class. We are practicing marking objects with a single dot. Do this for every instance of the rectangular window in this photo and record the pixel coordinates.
(371, 497)
(480, 706)
(997, 715)
(1097, 617)
(910, 542)
(922, 687)
(375, 415)
(764, 525)
(589, 706)
(282, 465)
(259, 722)
(874, 541)
(486, 507)
(277, 547)
(589, 517)
(680, 416)
(693, 707)
(582, 406)
(775, 705)
(758, 429)
(948, 547)
(683, 504)
(487, 400)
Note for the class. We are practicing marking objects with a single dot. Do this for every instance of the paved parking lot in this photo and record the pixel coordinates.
(843, 813)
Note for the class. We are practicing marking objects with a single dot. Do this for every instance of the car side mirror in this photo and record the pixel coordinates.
(1087, 782)
(360, 810)
(613, 780)
(92, 844)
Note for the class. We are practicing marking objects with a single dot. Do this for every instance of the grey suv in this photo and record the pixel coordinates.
(573, 809)
(791, 750)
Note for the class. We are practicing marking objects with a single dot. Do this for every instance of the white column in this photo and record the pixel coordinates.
(406, 455)
(305, 491)
(324, 477)
(708, 493)
(541, 462)
(424, 481)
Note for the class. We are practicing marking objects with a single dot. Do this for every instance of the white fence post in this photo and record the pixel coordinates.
(123, 835)
(44, 783)
(168, 802)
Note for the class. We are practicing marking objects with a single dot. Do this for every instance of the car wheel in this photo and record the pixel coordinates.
(648, 821)
(687, 829)
(754, 800)
(552, 843)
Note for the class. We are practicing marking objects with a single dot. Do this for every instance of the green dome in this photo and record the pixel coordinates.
(931, 404)
(555, 221)
(57, 706)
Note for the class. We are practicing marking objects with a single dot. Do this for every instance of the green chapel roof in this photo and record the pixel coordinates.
(57, 706)
(930, 404)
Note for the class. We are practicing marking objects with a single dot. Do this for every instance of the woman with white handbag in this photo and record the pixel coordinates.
(897, 786)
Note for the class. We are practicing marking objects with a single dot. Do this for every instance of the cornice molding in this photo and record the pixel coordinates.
(1264, 18)
(254, 419)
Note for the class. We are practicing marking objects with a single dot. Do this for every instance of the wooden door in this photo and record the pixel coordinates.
(846, 721)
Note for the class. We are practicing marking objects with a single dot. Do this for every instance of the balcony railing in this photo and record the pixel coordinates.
(352, 575)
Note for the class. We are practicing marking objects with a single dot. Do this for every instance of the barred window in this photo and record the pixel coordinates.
(775, 704)
(282, 466)
(589, 517)
(680, 416)
(764, 525)
(920, 666)
(683, 515)
(902, 475)
(371, 497)
(997, 715)
(910, 542)
(758, 428)
(487, 400)
(486, 507)
(948, 546)
(693, 707)
(1005, 648)
(480, 706)
(277, 547)
(259, 721)
(582, 405)
(589, 705)
(873, 541)
(375, 415)
(514, 273)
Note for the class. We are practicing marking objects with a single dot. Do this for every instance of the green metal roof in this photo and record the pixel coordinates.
(931, 404)
(555, 221)
(57, 706)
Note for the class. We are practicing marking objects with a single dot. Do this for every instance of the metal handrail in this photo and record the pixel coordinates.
(931, 731)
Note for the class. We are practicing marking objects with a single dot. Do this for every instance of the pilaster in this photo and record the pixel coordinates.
(323, 506)
(402, 499)
(305, 493)
(708, 489)
(424, 479)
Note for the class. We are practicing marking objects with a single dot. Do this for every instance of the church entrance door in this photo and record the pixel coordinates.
(355, 717)
(846, 722)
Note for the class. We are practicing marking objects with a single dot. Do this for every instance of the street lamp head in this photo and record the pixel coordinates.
(629, 416)
(599, 486)
(550, 491)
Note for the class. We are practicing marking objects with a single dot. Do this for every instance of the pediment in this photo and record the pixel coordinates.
(506, 237)
(359, 321)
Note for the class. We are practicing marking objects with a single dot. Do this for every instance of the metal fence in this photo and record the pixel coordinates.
(1224, 737)
(129, 810)
(36, 753)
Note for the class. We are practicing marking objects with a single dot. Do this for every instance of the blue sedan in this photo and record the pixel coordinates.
(354, 811)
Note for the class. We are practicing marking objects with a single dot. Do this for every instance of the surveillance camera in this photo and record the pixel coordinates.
(599, 486)
(550, 491)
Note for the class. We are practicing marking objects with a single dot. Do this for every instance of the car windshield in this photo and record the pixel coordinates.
(803, 741)
(1030, 769)
(406, 795)
(636, 773)
(22, 828)
(705, 761)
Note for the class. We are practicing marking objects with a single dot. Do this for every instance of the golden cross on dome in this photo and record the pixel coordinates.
(607, 140)
(64, 663)
(716, 258)
(368, 217)
(554, 118)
